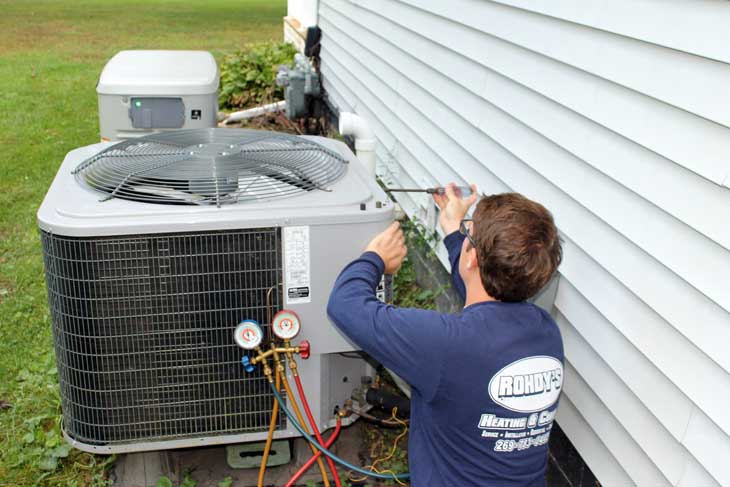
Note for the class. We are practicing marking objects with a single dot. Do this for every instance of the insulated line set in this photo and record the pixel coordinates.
(286, 325)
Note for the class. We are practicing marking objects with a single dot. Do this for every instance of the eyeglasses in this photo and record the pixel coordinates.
(464, 230)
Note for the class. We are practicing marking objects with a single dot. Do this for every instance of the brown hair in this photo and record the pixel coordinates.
(517, 243)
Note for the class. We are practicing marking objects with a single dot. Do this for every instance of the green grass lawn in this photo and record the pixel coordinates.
(51, 54)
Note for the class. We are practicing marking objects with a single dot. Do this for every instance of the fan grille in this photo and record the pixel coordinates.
(211, 167)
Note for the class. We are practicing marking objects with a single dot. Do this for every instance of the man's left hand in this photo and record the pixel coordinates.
(390, 245)
(453, 207)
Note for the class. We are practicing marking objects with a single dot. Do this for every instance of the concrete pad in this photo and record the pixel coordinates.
(208, 465)
(141, 469)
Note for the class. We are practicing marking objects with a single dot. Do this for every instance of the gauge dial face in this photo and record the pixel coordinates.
(286, 324)
(248, 334)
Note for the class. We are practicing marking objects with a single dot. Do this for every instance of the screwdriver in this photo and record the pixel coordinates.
(464, 191)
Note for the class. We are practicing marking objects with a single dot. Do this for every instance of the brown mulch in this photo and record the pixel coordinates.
(278, 122)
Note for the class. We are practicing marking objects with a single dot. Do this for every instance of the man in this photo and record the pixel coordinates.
(485, 382)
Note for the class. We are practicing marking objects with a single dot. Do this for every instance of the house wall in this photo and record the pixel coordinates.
(615, 115)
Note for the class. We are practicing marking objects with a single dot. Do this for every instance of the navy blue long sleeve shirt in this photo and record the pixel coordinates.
(484, 382)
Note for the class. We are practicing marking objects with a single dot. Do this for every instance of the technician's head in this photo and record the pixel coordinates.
(512, 248)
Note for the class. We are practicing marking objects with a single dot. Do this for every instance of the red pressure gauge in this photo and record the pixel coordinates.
(248, 334)
(286, 324)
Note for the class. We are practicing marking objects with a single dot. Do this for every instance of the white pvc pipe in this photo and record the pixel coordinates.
(353, 124)
(254, 112)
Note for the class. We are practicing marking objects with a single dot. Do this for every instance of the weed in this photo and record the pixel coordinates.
(248, 75)
(406, 291)
(188, 481)
(226, 482)
(381, 443)
(163, 481)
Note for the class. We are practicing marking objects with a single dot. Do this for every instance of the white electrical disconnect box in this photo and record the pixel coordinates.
(141, 92)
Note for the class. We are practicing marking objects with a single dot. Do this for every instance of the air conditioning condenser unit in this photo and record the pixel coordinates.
(155, 248)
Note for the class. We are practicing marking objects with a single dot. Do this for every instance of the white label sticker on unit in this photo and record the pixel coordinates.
(296, 265)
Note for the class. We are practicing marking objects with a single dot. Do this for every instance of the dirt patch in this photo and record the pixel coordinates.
(19, 37)
(277, 121)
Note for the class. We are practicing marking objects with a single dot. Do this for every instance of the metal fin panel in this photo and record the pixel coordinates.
(143, 332)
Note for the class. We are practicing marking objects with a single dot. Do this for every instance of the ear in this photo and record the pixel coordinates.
(471, 258)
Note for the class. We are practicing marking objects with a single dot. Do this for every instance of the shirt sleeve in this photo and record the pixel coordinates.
(453, 243)
(405, 340)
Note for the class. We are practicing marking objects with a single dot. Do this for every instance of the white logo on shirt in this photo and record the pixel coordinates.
(528, 385)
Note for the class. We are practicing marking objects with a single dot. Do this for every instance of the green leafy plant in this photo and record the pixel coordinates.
(163, 482)
(406, 291)
(344, 480)
(392, 456)
(39, 448)
(226, 482)
(42, 444)
(420, 235)
(188, 481)
(248, 76)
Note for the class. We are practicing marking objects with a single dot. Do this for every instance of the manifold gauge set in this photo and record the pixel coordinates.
(285, 325)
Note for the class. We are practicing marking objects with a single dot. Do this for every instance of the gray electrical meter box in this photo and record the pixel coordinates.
(141, 92)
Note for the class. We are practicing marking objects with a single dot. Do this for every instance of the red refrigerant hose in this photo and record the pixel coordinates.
(314, 458)
(331, 464)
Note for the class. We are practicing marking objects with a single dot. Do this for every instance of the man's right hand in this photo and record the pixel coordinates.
(390, 245)
(453, 207)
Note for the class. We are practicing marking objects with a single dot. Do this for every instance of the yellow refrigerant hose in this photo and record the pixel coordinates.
(274, 408)
(270, 437)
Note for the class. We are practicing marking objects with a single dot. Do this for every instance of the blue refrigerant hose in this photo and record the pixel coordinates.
(292, 420)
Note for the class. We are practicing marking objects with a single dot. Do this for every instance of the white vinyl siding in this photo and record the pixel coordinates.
(614, 115)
